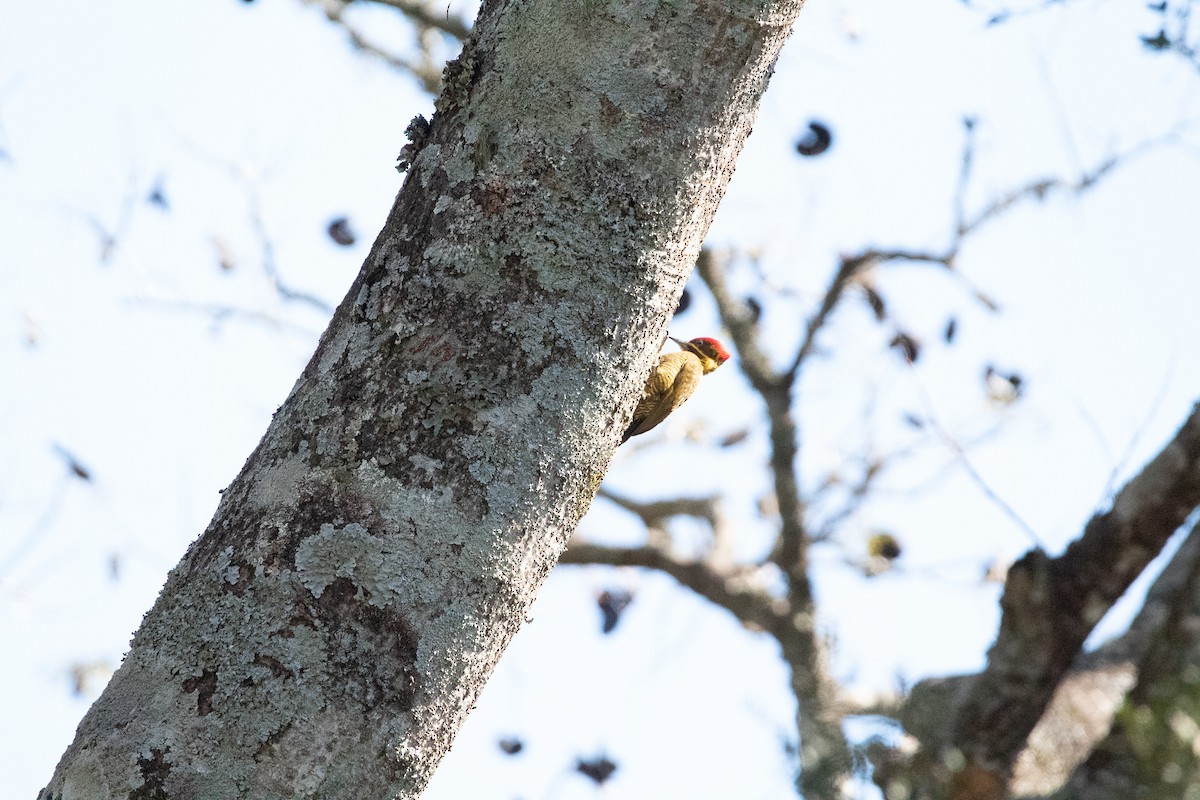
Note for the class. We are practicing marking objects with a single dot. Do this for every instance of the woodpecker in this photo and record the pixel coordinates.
(673, 381)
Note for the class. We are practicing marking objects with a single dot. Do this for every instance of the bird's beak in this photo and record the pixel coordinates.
(679, 342)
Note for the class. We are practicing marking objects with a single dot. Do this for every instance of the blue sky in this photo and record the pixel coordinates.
(263, 108)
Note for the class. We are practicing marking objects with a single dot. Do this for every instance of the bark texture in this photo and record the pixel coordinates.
(1152, 749)
(1050, 605)
(1034, 722)
(329, 632)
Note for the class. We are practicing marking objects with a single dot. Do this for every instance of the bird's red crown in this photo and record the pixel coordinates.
(712, 348)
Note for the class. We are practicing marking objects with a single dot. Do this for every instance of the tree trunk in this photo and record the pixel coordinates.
(331, 629)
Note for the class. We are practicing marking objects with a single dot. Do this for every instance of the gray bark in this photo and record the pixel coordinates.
(1051, 605)
(1150, 750)
(1046, 706)
(329, 632)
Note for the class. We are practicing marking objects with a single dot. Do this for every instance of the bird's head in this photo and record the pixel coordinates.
(708, 350)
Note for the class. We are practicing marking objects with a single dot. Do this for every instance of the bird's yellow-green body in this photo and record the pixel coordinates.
(673, 380)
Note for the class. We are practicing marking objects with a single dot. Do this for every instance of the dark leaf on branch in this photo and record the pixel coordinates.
(755, 309)
(510, 745)
(73, 464)
(913, 421)
(816, 140)
(340, 231)
(685, 300)
(875, 301)
(737, 437)
(158, 196)
(950, 331)
(612, 603)
(909, 348)
(1159, 42)
(599, 769)
(1160, 8)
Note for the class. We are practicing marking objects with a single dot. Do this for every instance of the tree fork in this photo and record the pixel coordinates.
(328, 633)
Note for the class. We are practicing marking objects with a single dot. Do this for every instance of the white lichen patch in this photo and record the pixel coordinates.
(346, 552)
(279, 487)
(222, 561)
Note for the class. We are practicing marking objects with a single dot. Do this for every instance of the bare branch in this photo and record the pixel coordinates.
(110, 236)
(824, 755)
(1042, 188)
(964, 462)
(964, 174)
(426, 17)
(1038, 189)
(36, 533)
(731, 591)
(859, 490)
(802, 650)
(752, 358)
(267, 248)
(249, 186)
(1080, 711)
(1107, 774)
(656, 512)
(221, 314)
(1134, 440)
(425, 71)
(851, 267)
(1051, 605)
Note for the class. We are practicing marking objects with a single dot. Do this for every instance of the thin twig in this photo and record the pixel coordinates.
(729, 590)
(964, 175)
(258, 225)
(1135, 439)
(425, 71)
(267, 247)
(221, 314)
(849, 268)
(424, 16)
(872, 469)
(965, 463)
(110, 237)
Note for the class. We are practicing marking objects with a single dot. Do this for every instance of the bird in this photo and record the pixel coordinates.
(673, 380)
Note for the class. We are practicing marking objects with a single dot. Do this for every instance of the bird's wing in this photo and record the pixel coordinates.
(669, 385)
